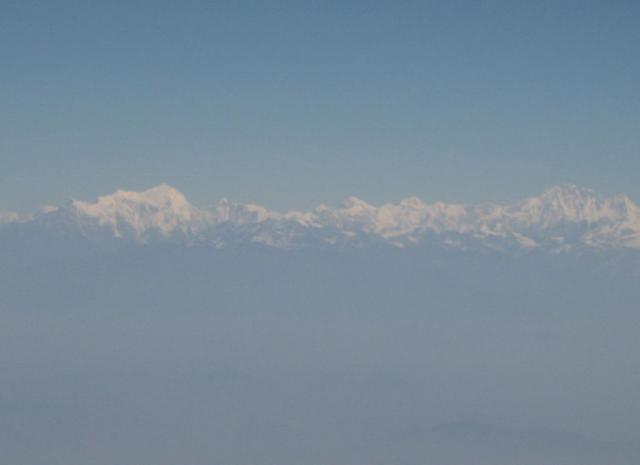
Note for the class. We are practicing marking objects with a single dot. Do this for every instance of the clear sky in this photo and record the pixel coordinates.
(295, 103)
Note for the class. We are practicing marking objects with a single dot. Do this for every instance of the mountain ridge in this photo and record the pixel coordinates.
(562, 218)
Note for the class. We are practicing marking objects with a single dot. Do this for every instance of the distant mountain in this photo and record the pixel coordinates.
(563, 218)
(9, 217)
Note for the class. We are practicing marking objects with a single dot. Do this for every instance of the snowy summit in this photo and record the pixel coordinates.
(562, 218)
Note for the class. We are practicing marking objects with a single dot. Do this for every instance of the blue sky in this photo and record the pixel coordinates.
(296, 103)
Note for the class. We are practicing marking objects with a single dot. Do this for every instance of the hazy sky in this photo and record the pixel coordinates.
(296, 103)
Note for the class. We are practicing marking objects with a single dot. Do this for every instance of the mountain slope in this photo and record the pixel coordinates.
(562, 218)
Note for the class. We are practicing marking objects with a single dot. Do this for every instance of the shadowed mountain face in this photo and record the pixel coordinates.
(564, 218)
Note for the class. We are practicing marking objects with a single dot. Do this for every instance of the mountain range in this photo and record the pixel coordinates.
(563, 218)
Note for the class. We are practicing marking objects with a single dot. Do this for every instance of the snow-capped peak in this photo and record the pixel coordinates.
(160, 210)
(572, 204)
(161, 196)
(566, 215)
(356, 206)
(567, 203)
(239, 213)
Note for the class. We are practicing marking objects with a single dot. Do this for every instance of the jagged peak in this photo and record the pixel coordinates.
(159, 195)
(563, 197)
(565, 202)
(356, 204)
(559, 210)
(228, 211)
(162, 209)
(567, 190)
(412, 202)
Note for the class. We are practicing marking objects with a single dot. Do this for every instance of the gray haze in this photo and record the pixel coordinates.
(173, 355)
